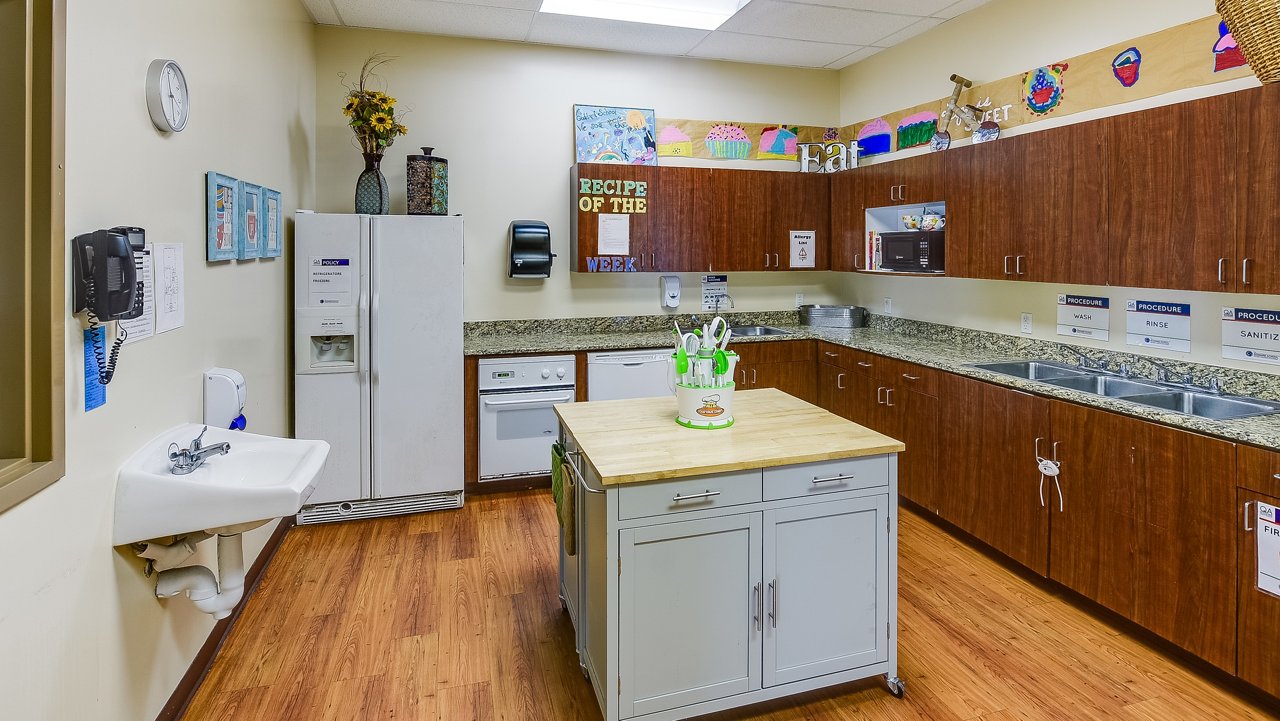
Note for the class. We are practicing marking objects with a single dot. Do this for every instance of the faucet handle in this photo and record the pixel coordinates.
(198, 442)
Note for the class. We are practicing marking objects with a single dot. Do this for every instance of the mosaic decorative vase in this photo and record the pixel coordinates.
(373, 197)
(428, 178)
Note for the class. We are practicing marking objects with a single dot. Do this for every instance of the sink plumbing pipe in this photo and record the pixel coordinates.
(216, 595)
(164, 556)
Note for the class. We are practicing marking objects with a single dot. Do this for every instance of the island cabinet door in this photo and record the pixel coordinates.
(690, 612)
(826, 576)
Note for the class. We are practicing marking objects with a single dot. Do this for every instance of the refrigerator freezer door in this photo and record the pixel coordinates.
(416, 354)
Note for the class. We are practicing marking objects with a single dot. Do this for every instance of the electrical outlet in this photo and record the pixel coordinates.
(799, 299)
(888, 306)
(1026, 323)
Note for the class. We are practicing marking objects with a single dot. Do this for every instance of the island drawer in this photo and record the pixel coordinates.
(812, 479)
(689, 494)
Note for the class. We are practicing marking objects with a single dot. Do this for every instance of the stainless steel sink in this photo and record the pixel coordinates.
(1206, 405)
(757, 330)
(1109, 386)
(1032, 370)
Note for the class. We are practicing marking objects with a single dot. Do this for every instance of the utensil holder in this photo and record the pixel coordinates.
(705, 407)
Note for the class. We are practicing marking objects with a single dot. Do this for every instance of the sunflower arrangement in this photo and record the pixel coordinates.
(372, 113)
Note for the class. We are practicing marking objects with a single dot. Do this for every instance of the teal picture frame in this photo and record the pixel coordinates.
(249, 221)
(222, 198)
(272, 245)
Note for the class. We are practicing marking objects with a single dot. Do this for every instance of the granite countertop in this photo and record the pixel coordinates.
(770, 429)
(954, 357)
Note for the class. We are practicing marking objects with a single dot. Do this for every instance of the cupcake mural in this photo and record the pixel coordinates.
(1126, 65)
(917, 129)
(874, 138)
(778, 143)
(728, 142)
(1226, 53)
(1042, 88)
(831, 135)
(673, 141)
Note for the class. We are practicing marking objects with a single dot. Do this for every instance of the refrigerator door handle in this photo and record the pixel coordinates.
(362, 330)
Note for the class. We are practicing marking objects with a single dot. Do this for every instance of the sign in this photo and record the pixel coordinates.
(802, 248)
(715, 290)
(1084, 316)
(1252, 335)
(829, 157)
(613, 234)
(1154, 324)
(613, 196)
(1268, 525)
(330, 281)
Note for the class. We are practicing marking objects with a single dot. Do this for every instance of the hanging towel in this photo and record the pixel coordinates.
(563, 490)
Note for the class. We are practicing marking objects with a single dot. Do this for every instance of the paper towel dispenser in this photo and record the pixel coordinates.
(529, 248)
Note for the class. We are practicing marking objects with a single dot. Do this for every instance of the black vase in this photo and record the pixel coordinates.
(373, 197)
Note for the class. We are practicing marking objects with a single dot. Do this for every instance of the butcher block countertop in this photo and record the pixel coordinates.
(638, 440)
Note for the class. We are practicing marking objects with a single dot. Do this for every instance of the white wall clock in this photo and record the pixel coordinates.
(168, 98)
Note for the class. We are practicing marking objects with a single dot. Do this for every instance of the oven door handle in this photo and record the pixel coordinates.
(529, 402)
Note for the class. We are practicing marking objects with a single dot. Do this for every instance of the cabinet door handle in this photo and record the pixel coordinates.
(829, 354)
(1017, 264)
(893, 192)
(832, 479)
(879, 400)
(1247, 504)
(856, 256)
(902, 192)
(757, 606)
(864, 364)
(744, 376)
(910, 377)
(888, 397)
(773, 610)
(776, 263)
(766, 260)
(1244, 271)
(653, 261)
(1222, 278)
(1006, 264)
(840, 381)
(1276, 476)
(694, 496)
(753, 376)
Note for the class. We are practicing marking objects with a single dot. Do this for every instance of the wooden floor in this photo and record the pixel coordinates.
(455, 615)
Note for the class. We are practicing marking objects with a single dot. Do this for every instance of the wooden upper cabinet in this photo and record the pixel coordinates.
(1062, 227)
(683, 204)
(985, 197)
(848, 221)
(1170, 195)
(1257, 264)
(755, 212)
(918, 179)
(618, 190)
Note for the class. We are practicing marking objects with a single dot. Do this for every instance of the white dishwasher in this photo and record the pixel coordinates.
(629, 374)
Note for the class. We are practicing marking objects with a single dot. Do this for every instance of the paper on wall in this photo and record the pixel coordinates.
(1251, 334)
(170, 301)
(1155, 324)
(331, 282)
(144, 326)
(613, 235)
(1268, 526)
(1084, 316)
(802, 248)
(715, 289)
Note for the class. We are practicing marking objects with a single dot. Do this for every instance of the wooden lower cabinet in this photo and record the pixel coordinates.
(1259, 662)
(785, 365)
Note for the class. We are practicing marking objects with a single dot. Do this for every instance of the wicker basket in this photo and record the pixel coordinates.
(1256, 27)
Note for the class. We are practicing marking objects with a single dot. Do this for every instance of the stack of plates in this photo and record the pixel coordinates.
(833, 316)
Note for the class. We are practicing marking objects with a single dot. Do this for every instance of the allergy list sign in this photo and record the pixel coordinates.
(1268, 525)
(1154, 324)
(1251, 334)
(1084, 316)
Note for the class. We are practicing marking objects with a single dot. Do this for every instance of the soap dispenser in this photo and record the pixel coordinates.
(224, 398)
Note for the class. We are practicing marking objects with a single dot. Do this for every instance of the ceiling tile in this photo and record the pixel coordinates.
(814, 22)
(909, 32)
(896, 7)
(438, 18)
(322, 12)
(721, 45)
(963, 6)
(530, 5)
(613, 35)
(853, 57)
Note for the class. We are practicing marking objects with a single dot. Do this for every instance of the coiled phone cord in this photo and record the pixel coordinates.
(106, 367)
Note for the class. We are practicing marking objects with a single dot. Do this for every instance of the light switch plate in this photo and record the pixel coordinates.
(888, 306)
(1026, 323)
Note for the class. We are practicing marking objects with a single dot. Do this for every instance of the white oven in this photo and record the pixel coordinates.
(517, 422)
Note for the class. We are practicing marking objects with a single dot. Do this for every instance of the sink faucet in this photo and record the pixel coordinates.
(186, 460)
(723, 296)
(1164, 373)
(1088, 362)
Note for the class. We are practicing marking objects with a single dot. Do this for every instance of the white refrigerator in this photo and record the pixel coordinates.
(378, 361)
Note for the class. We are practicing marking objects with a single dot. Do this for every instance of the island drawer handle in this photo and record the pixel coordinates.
(694, 496)
(832, 479)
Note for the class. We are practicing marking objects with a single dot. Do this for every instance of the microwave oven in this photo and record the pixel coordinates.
(915, 251)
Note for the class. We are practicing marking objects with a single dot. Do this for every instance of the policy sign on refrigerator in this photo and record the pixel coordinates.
(378, 361)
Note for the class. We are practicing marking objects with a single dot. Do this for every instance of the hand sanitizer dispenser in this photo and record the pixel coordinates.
(224, 398)
(670, 286)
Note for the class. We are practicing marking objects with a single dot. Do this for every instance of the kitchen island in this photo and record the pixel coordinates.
(716, 569)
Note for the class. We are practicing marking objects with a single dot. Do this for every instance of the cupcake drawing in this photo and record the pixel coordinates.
(1126, 67)
(1226, 53)
(876, 137)
(831, 135)
(1043, 89)
(729, 142)
(673, 141)
(778, 143)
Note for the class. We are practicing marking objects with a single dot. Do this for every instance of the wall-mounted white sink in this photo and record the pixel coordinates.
(259, 479)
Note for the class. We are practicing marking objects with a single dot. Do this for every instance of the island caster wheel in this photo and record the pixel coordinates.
(896, 686)
(583, 668)
(564, 605)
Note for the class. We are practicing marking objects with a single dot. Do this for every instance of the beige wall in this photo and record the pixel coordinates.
(987, 44)
(502, 114)
(82, 635)
(12, 223)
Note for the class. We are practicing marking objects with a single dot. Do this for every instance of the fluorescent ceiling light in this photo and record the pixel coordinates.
(697, 14)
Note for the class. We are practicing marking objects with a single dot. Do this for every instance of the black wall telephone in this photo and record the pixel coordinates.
(107, 287)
